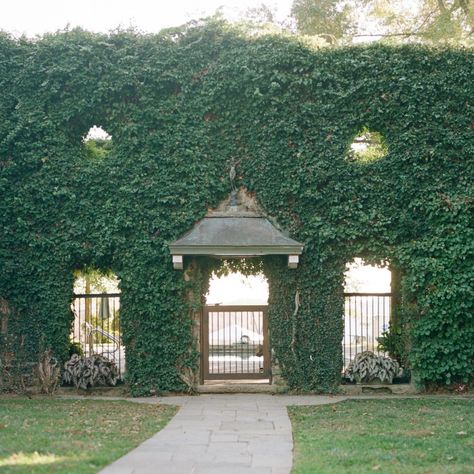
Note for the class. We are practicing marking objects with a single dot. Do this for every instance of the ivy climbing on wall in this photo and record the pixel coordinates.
(180, 107)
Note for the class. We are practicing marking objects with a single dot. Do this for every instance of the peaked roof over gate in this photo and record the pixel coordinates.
(236, 228)
(235, 237)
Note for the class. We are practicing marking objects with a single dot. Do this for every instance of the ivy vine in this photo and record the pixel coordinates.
(181, 106)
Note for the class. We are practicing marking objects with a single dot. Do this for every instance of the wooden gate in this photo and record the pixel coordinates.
(235, 343)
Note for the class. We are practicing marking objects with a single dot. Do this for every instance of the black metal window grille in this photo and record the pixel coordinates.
(366, 317)
(96, 327)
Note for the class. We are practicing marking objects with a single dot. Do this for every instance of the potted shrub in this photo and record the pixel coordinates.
(368, 367)
(84, 372)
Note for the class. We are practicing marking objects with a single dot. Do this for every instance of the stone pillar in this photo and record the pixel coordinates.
(192, 275)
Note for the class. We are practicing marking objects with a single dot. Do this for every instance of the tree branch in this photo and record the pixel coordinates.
(464, 4)
(412, 33)
(423, 23)
(442, 6)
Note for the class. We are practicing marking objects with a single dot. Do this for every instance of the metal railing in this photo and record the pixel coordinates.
(366, 317)
(96, 327)
(235, 342)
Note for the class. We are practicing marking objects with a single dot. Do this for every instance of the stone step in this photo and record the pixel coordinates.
(235, 387)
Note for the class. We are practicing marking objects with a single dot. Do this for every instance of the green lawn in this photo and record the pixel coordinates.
(387, 436)
(46, 435)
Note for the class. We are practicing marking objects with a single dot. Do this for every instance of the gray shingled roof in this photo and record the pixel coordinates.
(235, 236)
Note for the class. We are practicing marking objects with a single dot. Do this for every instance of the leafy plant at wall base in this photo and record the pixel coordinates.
(394, 343)
(368, 367)
(84, 372)
(75, 348)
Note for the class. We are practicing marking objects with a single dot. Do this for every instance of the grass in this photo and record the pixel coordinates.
(48, 435)
(411, 436)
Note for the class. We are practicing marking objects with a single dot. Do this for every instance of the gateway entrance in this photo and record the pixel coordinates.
(235, 343)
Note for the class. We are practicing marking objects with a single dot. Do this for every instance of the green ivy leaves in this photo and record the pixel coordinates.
(184, 104)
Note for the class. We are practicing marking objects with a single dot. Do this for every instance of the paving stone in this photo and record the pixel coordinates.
(250, 427)
(193, 458)
(220, 446)
(280, 470)
(268, 459)
(231, 469)
(219, 437)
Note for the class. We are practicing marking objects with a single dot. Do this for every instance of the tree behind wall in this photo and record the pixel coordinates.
(398, 20)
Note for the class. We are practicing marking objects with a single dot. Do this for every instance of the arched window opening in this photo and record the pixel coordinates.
(97, 143)
(96, 329)
(367, 147)
(367, 308)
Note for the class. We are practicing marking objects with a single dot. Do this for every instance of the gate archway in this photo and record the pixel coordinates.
(234, 340)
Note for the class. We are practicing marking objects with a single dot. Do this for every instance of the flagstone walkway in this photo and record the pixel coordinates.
(221, 434)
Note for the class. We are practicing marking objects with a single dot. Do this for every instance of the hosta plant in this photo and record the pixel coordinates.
(368, 367)
(84, 372)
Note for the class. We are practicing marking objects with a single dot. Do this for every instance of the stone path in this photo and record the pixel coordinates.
(221, 434)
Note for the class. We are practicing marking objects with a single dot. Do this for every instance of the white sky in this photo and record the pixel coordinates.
(367, 278)
(34, 17)
(239, 289)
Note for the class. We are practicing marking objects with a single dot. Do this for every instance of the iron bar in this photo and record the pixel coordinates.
(234, 344)
(96, 327)
(366, 317)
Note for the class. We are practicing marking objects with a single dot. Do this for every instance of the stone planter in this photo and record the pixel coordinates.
(375, 381)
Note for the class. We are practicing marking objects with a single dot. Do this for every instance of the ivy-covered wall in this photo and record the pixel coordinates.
(181, 107)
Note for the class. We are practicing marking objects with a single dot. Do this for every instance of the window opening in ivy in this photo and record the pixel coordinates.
(97, 143)
(367, 147)
(96, 328)
(367, 308)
